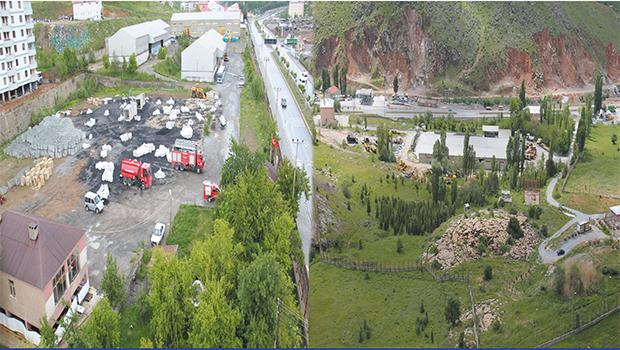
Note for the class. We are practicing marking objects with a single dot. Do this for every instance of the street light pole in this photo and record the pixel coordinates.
(297, 142)
(170, 193)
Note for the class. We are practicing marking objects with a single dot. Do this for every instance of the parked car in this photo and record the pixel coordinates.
(561, 252)
(241, 82)
(92, 202)
(283, 103)
(158, 234)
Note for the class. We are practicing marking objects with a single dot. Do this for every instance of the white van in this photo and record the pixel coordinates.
(92, 202)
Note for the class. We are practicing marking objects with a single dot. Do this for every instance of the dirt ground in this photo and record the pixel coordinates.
(131, 213)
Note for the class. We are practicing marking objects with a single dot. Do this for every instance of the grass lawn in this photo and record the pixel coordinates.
(133, 327)
(51, 9)
(168, 68)
(136, 76)
(341, 300)
(595, 176)
(605, 334)
(191, 223)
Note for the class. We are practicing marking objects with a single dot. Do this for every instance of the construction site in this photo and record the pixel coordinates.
(142, 156)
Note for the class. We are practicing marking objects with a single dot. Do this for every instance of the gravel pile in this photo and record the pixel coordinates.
(54, 137)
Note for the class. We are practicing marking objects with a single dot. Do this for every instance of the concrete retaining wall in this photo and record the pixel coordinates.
(17, 119)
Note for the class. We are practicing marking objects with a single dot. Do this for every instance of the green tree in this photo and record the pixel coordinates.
(488, 272)
(614, 139)
(343, 80)
(240, 159)
(261, 284)
(522, 94)
(598, 93)
(335, 77)
(102, 328)
(395, 84)
(216, 320)
(384, 144)
(559, 280)
(325, 80)
(132, 67)
(292, 183)
(48, 336)
(259, 215)
(113, 283)
(91, 57)
(170, 300)
(215, 258)
(514, 229)
(454, 192)
(399, 246)
(452, 311)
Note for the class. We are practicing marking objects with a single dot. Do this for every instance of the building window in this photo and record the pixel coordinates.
(60, 284)
(12, 288)
(74, 266)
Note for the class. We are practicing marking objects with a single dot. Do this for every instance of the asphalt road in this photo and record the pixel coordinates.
(549, 256)
(291, 126)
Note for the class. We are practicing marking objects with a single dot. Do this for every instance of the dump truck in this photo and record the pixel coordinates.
(187, 155)
(136, 173)
(198, 92)
(210, 190)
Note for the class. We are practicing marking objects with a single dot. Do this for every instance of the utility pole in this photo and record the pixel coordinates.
(277, 340)
(297, 142)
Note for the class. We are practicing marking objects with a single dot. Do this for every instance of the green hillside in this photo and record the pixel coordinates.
(474, 36)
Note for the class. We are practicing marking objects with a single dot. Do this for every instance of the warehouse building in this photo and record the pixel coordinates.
(143, 39)
(200, 60)
(226, 23)
(485, 147)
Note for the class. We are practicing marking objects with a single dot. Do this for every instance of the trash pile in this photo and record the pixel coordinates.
(40, 172)
(54, 137)
(470, 238)
(108, 171)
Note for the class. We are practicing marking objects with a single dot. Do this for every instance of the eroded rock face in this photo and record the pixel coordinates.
(465, 237)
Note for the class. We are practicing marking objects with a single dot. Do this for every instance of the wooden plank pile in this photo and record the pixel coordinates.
(40, 172)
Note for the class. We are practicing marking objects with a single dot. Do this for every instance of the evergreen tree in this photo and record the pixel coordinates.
(514, 229)
(335, 78)
(452, 311)
(395, 84)
(598, 93)
(113, 283)
(343, 80)
(522, 94)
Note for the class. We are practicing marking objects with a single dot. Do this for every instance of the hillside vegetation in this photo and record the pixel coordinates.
(463, 45)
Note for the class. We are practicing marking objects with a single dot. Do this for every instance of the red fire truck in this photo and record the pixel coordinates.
(134, 172)
(186, 155)
(210, 191)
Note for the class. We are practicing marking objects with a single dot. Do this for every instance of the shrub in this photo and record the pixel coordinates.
(514, 229)
(399, 246)
(488, 272)
(452, 311)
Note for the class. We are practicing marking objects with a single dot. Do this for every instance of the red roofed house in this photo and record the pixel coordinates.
(43, 267)
(333, 91)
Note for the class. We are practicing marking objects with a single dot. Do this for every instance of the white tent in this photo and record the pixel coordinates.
(200, 60)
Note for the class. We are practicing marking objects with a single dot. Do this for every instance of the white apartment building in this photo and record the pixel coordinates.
(87, 10)
(295, 8)
(18, 65)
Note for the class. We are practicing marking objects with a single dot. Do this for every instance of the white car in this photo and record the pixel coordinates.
(241, 82)
(158, 234)
(223, 122)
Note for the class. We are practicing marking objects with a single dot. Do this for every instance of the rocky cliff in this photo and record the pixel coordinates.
(470, 47)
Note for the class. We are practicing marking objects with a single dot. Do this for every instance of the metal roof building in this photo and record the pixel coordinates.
(140, 39)
(198, 23)
(201, 59)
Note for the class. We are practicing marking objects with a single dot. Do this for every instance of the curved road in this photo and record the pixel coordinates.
(550, 256)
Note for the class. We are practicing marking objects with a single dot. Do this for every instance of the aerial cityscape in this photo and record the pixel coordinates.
(259, 174)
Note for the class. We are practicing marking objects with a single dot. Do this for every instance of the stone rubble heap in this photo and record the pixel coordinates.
(54, 137)
(487, 311)
(461, 240)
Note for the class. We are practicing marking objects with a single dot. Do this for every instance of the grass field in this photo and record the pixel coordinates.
(595, 178)
(191, 223)
(135, 76)
(341, 300)
(606, 334)
(133, 327)
(168, 68)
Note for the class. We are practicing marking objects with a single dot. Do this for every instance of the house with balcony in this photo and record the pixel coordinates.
(18, 65)
(43, 272)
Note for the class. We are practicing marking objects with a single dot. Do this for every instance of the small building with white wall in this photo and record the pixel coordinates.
(295, 8)
(200, 60)
(197, 23)
(142, 39)
(87, 10)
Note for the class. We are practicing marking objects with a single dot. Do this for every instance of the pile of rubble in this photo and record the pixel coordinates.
(487, 312)
(54, 137)
(40, 172)
(463, 238)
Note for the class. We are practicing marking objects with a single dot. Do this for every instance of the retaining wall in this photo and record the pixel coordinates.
(115, 82)
(16, 120)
